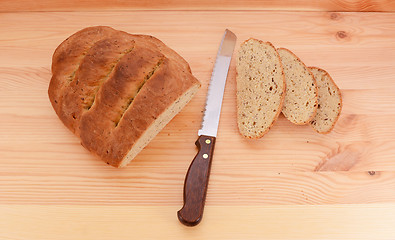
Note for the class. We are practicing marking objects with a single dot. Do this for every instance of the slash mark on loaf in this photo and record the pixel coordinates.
(90, 99)
(125, 107)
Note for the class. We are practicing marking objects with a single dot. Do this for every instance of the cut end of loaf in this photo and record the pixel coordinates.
(329, 102)
(158, 125)
(300, 104)
(260, 87)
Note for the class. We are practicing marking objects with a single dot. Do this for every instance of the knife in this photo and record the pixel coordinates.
(196, 180)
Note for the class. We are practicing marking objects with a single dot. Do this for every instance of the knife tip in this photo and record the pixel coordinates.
(227, 31)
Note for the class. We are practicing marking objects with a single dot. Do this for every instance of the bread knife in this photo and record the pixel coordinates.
(196, 179)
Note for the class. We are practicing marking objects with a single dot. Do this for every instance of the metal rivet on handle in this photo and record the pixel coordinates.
(208, 141)
(205, 155)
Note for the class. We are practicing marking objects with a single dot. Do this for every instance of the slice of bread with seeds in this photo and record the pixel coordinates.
(300, 104)
(329, 102)
(260, 87)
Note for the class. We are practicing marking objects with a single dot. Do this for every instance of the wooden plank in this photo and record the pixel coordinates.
(365, 221)
(357, 142)
(298, 5)
(229, 185)
(196, 37)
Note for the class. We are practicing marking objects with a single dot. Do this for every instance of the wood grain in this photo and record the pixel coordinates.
(154, 186)
(221, 222)
(298, 5)
(291, 183)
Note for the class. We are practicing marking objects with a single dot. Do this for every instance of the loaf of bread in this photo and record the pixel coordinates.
(116, 90)
(329, 102)
(300, 104)
(260, 87)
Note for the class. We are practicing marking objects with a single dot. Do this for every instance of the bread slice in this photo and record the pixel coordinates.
(116, 90)
(260, 87)
(329, 102)
(300, 104)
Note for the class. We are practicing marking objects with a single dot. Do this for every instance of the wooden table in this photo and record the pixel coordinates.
(293, 183)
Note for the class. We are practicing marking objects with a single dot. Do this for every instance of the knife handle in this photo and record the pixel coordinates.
(196, 182)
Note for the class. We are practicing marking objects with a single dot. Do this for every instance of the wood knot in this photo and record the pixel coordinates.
(344, 158)
(371, 173)
(335, 16)
(341, 34)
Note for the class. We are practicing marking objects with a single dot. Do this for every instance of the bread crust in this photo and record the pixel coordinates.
(67, 57)
(108, 86)
(316, 88)
(341, 100)
(278, 111)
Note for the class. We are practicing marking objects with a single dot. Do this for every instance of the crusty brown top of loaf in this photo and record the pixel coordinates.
(108, 86)
(67, 58)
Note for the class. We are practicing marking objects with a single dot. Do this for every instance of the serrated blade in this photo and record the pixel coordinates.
(217, 85)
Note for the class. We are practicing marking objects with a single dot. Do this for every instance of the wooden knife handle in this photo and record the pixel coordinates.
(196, 182)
